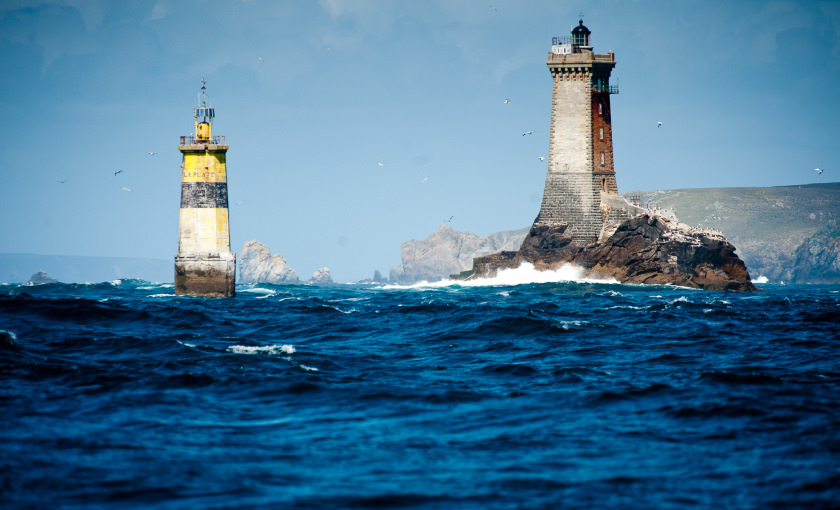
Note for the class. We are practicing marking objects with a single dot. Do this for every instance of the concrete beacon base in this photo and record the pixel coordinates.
(205, 274)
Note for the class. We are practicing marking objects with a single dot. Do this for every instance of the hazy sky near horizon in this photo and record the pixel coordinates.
(313, 95)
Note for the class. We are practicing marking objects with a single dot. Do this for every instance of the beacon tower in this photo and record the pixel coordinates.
(204, 264)
(580, 149)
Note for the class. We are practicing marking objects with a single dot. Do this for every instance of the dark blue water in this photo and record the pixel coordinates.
(551, 395)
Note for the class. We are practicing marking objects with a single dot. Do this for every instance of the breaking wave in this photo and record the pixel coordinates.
(525, 274)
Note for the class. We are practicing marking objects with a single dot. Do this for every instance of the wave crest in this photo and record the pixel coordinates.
(525, 274)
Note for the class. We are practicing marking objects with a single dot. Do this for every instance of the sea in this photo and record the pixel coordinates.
(528, 391)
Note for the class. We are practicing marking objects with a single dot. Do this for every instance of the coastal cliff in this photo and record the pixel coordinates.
(817, 260)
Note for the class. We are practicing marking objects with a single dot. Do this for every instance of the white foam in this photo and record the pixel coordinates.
(268, 349)
(522, 275)
(761, 279)
(258, 290)
(160, 295)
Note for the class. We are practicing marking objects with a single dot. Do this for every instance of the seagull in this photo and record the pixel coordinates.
(658, 124)
(527, 133)
(127, 189)
(542, 158)
(494, 9)
(260, 59)
(507, 101)
(819, 170)
(380, 164)
(240, 203)
(152, 153)
(62, 182)
(425, 179)
(117, 172)
(449, 220)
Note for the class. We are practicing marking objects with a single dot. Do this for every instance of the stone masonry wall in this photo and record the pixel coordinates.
(569, 195)
(572, 199)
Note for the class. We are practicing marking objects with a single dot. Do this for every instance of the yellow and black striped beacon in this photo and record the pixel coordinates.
(204, 264)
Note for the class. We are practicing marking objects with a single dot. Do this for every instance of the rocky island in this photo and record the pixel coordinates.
(258, 265)
(583, 220)
(645, 249)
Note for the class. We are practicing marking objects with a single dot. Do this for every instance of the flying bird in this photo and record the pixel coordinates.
(117, 172)
(152, 153)
(240, 203)
(527, 133)
(425, 179)
(658, 124)
(449, 220)
(260, 59)
(542, 158)
(380, 163)
(63, 181)
(507, 101)
(819, 170)
(494, 9)
(127, 189)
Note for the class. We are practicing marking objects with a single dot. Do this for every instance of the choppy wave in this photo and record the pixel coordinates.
(521, 391)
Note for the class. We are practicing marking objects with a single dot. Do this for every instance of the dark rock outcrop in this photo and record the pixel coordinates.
(772, 227)
(648, 249)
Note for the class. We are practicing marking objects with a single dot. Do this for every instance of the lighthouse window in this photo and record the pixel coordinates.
(600, 108)
(602, 159)
(601, 133)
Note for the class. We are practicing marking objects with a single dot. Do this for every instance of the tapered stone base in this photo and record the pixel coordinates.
(205, 274)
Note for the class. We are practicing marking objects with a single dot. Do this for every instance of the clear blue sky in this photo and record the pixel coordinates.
(746, 92)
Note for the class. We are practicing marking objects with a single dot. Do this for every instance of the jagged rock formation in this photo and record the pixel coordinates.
(258, 265)
(41, 277)
(769, 225)
(321, 276)
(448, 251)
(648, 248)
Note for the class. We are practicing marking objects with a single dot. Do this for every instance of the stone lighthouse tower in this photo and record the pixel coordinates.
(204, 264)
(580, 150)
